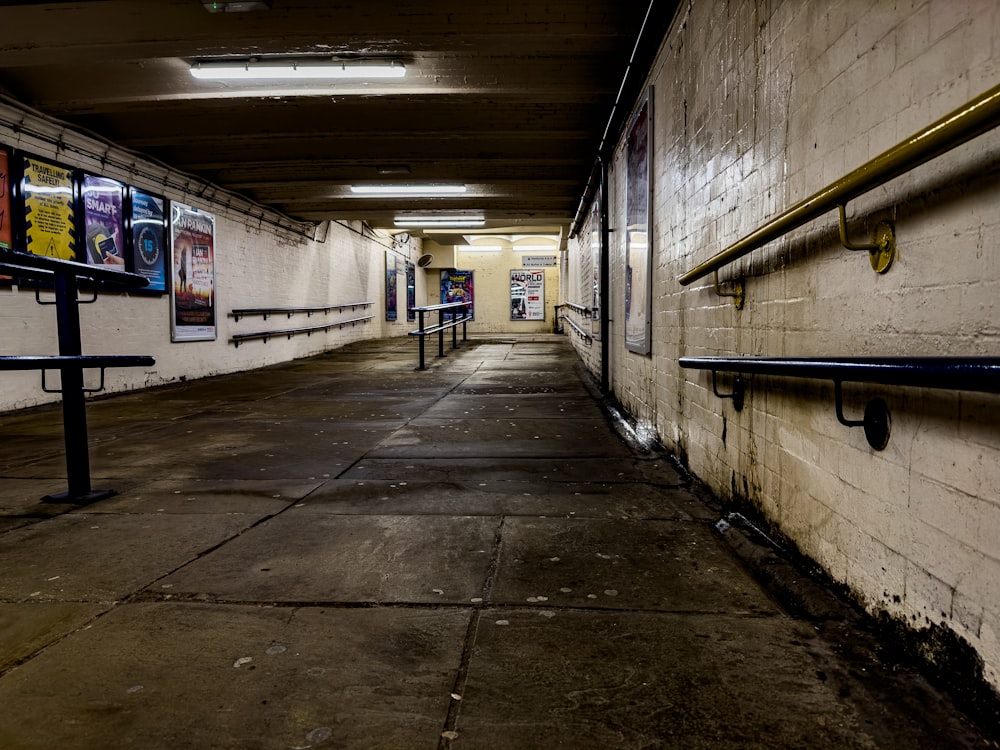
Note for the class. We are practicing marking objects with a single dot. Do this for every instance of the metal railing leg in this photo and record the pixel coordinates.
(421, 337)
(73, 400)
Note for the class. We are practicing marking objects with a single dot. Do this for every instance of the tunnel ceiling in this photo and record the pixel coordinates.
(509, 98)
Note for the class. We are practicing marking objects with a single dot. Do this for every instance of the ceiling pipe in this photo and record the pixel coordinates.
(669, 8)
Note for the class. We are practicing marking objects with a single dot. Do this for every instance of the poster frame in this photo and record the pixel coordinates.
(638, 220)
(391, 287)
(85, 215)
(185, 219)
(532, 312)
(8, 183)
(411, 290)
(23, 231)
(458, 286)
(158, 233)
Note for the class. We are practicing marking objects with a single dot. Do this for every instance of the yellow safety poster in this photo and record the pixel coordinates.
(49, 210)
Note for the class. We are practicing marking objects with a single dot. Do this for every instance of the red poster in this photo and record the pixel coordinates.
(6, 236)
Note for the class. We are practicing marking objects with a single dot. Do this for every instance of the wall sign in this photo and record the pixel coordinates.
(148, 221)
(48, 195)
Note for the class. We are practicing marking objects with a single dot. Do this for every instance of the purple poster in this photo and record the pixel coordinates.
(456, 286)
(104, 221)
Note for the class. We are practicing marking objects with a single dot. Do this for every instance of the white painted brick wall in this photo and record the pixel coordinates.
(758, 106)
(255, 267)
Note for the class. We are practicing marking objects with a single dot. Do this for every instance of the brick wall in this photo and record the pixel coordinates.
(758, 105)
(256, 266)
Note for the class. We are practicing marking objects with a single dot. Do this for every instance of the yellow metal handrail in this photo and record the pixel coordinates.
(963, 124)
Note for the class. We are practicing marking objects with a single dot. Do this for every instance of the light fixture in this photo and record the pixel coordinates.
(408, 190)
(436, 222)
(533, 248)
(303, 69)
(236, 7)
(479, 248)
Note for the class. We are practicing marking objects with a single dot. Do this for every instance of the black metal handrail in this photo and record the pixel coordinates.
(441, 326)
(578, 330)
(65, 277)
(290, 311)
(237, 338)
(963, 124)
(980, 374)
(582, 309)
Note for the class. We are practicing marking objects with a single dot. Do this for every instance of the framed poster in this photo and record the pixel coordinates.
(148, 228)
(411, 291)
(192, 258)
(103, 221)
(457, 286)
(48, 199)
(391, 292)
(527, 294)
(6, 217)
(638, 257)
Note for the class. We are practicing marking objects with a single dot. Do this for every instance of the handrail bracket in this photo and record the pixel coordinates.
(882, 248)
(739, 391)
(737, 293)
(877, 420)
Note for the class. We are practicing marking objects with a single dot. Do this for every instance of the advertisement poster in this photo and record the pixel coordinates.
(527, 294)
(594, 232)
(192, 253)
(411, 291)
(49, 209)
(103, 203)
(638, 260)
(149, 250)
(457, 286)
(6, 235)
(391, 292)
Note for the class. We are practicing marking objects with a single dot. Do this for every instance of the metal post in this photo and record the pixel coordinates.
(421, 337)
(73, 400)
(440, 333)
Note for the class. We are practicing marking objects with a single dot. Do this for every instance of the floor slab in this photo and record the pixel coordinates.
(240, 678)
(305, 557)
(630, 565)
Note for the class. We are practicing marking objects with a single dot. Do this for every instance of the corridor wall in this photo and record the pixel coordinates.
(262, 260)
(756, 106)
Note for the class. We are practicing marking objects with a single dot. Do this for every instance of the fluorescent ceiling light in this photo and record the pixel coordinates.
(439, 221)
(533, 248)
(478, 248)
(236, 7)
(408, 189)
(311, 68)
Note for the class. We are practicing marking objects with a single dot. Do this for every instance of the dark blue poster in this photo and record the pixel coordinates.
(411, 291)
(390, 286)
(149, 256)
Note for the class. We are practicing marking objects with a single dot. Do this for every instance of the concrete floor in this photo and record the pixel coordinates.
(342, 552)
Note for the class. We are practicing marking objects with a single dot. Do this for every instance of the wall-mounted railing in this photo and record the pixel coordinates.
(980, 374)
(963, 124)
(266, 312)
(578, 330)
(65, 277)
(238, 338)
(450, 315)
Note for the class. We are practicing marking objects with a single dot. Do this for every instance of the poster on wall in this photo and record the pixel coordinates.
(638, 258)
(192, 258)
(411, 291)
(457, 286)
(103, 212)
(527, 294)
(48, 196)
(594, 233)
(391, 292)
(6, 233)
(149, 251)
